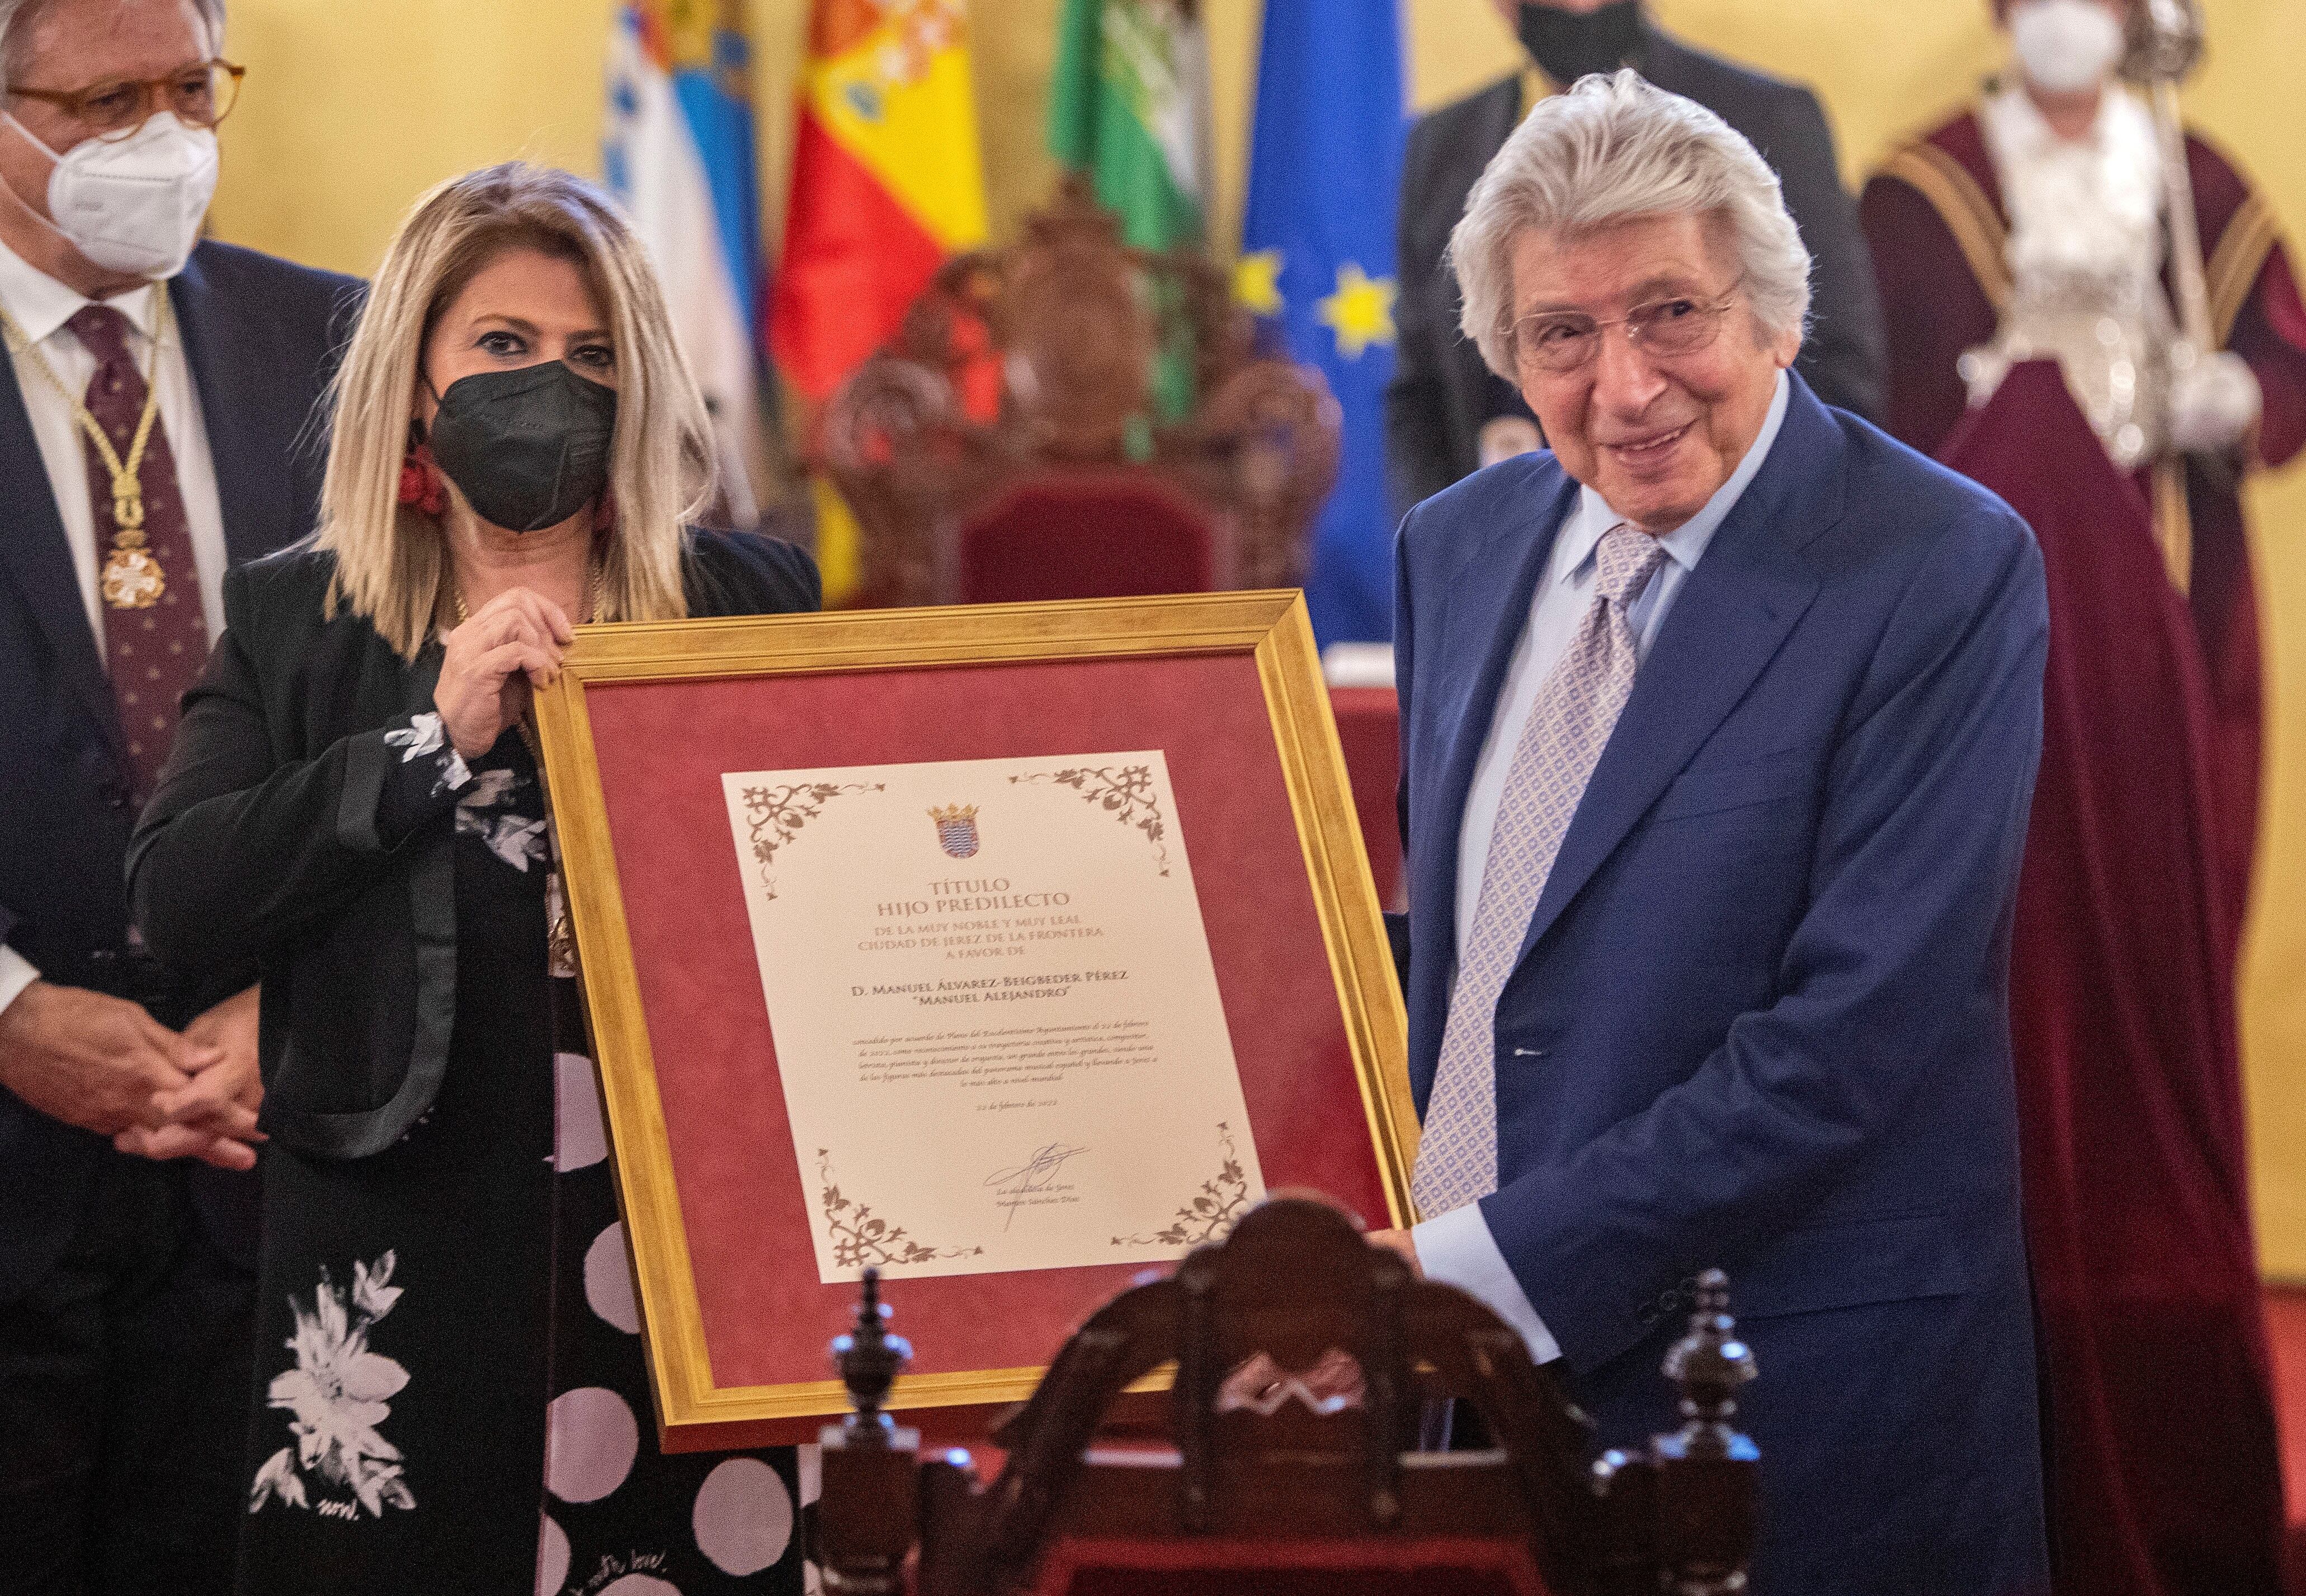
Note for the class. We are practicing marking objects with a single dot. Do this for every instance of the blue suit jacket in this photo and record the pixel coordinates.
(1759, 1019)
(260, 338)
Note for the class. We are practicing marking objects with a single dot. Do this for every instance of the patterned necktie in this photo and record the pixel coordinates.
(1569, 724)
(153, 653)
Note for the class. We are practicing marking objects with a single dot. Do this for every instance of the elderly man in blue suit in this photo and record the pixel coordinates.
(152, 402)
(1720, 724)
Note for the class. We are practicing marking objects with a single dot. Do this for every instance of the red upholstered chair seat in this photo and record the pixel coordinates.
(1428, 1566)
(1086, 534)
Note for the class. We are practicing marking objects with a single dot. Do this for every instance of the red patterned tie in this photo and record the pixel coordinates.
(155, 652)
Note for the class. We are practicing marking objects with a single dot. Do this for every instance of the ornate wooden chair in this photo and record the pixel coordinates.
(1303, 1358)
(1006, 445)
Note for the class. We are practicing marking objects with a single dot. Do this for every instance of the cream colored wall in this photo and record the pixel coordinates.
(353, 108)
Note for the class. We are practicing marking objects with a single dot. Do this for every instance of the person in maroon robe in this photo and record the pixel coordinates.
(2023, 250)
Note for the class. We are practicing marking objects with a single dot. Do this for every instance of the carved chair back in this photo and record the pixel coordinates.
(1304, 1360)
(1069, 417)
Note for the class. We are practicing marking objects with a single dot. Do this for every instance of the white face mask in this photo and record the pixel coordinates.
(133, 205)
(2065, 45)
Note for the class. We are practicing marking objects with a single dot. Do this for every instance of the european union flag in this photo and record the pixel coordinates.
(1318, 257)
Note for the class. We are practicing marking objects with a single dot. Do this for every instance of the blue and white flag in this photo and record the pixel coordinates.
(1318, 259)
(679, 156)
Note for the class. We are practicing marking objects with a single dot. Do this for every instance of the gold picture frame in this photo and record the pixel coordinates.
(1272, 627)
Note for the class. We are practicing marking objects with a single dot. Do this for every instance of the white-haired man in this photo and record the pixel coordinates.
(1446, 414)
(1720, 723)
(149, 410)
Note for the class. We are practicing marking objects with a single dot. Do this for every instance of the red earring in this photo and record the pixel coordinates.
(420, 481)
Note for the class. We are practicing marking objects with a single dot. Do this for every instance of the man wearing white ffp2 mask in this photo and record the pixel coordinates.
(2069, 51)
(135, 204)
(154, 388)
(2066, 46)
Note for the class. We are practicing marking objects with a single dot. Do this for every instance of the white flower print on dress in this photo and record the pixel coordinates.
(425, 737)
(336, 1395)
(491, 809)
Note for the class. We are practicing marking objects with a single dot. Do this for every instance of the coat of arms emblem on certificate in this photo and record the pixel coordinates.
(1020, 1064)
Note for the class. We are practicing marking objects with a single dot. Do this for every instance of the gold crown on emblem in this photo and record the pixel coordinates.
(957, 812)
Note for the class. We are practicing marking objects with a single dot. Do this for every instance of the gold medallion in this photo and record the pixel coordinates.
(132, 579)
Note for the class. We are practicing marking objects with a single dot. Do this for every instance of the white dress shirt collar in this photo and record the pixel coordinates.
(39, 304)
(1583, 531)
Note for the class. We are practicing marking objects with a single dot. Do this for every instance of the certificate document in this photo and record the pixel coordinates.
(996, 1014)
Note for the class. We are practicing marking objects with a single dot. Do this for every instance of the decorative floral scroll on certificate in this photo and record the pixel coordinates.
(996, 1014)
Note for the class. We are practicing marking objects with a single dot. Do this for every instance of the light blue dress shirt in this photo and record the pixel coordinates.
(1457, 1248)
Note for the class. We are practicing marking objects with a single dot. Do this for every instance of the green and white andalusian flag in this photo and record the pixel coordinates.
(1128, 107)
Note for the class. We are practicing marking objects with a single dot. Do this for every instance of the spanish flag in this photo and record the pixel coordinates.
(886, 184)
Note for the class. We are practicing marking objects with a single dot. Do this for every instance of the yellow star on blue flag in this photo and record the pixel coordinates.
(1317, 264)
(1257, 282)
(1360, 311)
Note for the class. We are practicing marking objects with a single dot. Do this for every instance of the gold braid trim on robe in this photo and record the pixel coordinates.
(2249, 238)
(1982, 238)
(1977, 225)
(2173, 521)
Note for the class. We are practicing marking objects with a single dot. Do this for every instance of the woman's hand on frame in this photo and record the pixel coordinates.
(492, 663)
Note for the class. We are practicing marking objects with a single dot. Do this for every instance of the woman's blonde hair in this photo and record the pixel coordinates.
(389, 564)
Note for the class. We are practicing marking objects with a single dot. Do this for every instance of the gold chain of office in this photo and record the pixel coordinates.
(133, 576)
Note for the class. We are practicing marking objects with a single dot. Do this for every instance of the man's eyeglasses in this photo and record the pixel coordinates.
(201, 95)
(1559, 342)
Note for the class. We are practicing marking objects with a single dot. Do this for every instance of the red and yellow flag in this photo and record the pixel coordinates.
(885, 185)
(886, 182)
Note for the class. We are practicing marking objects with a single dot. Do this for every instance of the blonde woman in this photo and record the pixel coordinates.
(451, 1394)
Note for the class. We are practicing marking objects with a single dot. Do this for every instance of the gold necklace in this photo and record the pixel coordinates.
(132, 577)
(591, 593)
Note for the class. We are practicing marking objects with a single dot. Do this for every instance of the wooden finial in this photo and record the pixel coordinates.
(868, 1358)
(1710, 1364)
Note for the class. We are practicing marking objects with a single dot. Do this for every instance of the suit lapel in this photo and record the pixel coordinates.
(36, 556)
(244, 430)
(1726, 625)
(1492, 618)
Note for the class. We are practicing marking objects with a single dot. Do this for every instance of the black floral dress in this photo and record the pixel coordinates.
(451, 1389)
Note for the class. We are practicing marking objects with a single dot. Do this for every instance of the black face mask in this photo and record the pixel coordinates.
(528, 449)
(1566, 45)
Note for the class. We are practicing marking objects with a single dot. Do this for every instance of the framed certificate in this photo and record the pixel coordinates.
(1012, 950)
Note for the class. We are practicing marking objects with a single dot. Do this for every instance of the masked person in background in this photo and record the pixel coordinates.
(2026, 256)
(456, 1398)
(1445, 414)
(150, 406)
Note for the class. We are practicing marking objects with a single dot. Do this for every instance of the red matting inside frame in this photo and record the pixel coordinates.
(661, 749)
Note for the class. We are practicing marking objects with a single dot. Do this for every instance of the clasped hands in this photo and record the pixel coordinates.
(104, 1064)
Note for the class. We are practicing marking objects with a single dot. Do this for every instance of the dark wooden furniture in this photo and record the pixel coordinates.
(1304, 1358)
(1010, 442)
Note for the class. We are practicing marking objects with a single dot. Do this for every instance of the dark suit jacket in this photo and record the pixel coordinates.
(287, 833)
(260, 338)
(1760, 1019)
(1441, 393)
